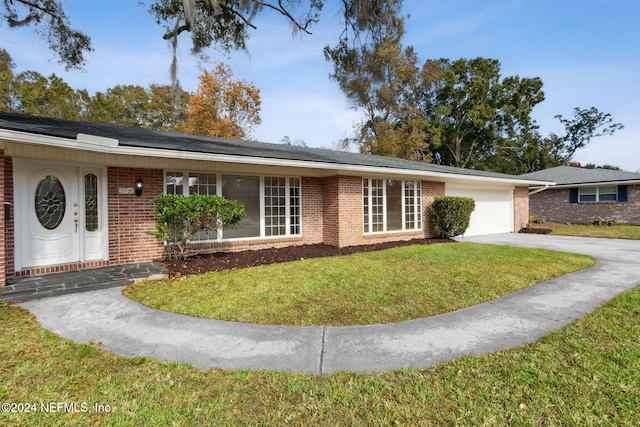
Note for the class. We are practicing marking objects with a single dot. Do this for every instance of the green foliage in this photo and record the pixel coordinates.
(32, 93)
(181, 217)
(160, 107)
(578, 132)
(460, 113)
(54, 26)
(583, 374)
(451, 215)
(384, 80)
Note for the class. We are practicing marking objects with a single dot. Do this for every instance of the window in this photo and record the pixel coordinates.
(373, 205)
(202, 183)
(413, 205)
(277, 204)
(50, 202)
(91, 222)
(246, 190)
(391, 205)
(598, 194)
(294, 206)
(272, 204)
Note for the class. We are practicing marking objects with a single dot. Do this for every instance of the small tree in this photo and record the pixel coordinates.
(181, 217)
(223, 106)
(451, 215)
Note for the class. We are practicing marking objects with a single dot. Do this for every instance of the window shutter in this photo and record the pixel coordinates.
(573, 195)
(622, 193)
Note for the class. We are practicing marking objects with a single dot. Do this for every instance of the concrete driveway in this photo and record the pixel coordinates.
(129, 329)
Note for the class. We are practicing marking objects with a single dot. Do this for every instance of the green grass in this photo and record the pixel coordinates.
(585, 230)
(585, 374)
(377, 287)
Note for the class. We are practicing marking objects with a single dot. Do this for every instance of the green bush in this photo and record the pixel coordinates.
(181, 217)
(450, 215)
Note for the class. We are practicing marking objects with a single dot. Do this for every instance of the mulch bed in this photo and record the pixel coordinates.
(198, 264)
(535, 230)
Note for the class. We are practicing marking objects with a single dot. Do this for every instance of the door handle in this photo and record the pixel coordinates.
(75, 220)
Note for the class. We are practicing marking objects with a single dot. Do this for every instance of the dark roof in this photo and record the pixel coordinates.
(568, 175)
(154, 139)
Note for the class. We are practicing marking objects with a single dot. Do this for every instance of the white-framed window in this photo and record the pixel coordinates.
(272, 204)
(281, 206)
(598, 194)
(391, 205)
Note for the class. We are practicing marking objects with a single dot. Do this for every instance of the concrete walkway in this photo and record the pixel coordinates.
(129, 329)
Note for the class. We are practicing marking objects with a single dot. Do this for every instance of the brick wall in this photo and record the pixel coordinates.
(130, 216)
(9, 224)
(349, 213)
(330, 211)
(312, 210)
(342, 198)
(430, 190)
(3, 258)
(553, 205)
(520, 208)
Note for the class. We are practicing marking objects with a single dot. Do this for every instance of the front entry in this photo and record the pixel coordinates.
(60, 214)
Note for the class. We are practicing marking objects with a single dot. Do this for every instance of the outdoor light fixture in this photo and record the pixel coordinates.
(139, 187)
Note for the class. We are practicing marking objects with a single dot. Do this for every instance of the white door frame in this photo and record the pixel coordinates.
(82, 245)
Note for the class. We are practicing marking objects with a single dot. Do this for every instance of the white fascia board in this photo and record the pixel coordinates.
(107, 146)
(598, 184)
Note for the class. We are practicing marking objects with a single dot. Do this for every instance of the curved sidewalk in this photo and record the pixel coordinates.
(129, 329)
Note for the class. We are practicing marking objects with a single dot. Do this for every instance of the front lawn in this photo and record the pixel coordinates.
(587, 230)
(377, 287)
(584, 374)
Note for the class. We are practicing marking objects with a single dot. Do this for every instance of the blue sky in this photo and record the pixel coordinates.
(587, 53)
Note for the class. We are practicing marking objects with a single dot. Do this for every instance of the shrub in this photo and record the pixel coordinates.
(604, 222)
(450, 215)
(181, 217)
(536, 220)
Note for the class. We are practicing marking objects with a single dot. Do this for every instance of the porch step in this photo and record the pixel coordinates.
(20, 289)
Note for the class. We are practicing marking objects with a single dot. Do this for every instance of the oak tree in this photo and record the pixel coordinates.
(383, 80)
(223, 24)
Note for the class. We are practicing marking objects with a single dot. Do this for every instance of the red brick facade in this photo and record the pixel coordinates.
(520, 208)
(3, 247)
(130, 216)
(8, 222)
(331, 213)
(553, 205)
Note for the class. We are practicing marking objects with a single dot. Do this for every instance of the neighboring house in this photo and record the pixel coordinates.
(584, 195)
(69, 192)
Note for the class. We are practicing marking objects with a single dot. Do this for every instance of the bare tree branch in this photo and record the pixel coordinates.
(284, 12)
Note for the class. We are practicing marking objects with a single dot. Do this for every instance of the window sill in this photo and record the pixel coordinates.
(391, 233)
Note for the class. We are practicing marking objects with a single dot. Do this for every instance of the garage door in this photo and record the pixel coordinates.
(494, 209)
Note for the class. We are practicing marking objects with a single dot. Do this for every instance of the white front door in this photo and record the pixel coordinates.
(60, 214)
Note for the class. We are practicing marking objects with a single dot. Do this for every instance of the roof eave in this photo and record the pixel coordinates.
(110, 146)
(598, 183)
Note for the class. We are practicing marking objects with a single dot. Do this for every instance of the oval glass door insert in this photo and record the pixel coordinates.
(50, 202)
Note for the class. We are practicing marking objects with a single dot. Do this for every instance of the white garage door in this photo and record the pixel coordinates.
(494, 209)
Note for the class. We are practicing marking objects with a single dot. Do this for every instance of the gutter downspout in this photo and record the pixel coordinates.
(539, 190)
